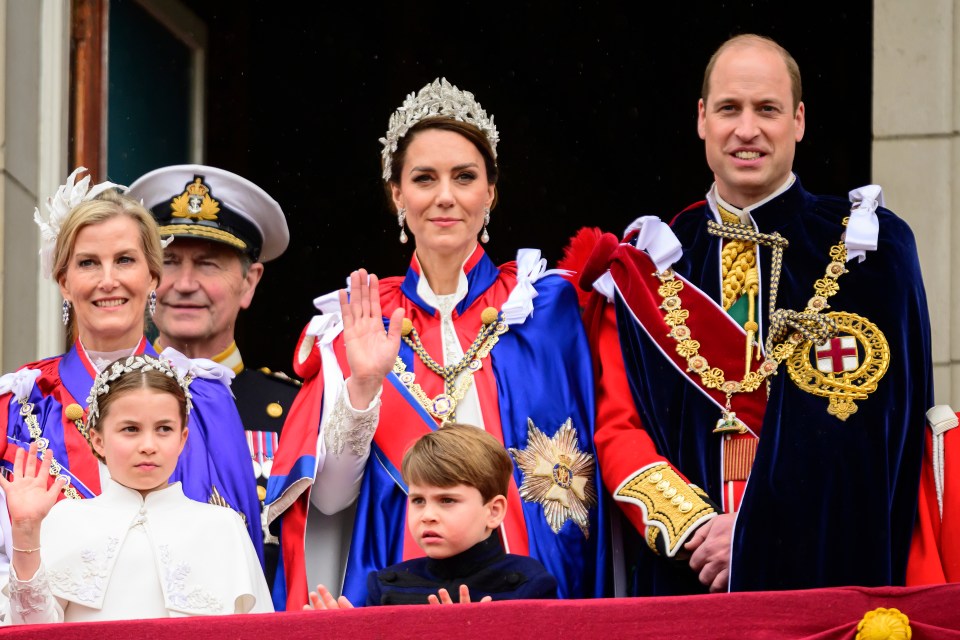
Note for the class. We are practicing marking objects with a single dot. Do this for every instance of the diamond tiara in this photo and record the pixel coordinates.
(437, 99)
(144, 362)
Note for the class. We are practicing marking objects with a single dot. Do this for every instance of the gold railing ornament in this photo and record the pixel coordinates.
(884, 624)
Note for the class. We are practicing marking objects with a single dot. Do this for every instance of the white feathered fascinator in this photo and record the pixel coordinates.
(59, 206)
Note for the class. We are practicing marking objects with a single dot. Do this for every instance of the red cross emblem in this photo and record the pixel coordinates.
(837, 355)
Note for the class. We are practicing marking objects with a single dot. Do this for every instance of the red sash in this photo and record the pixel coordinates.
(722, 340)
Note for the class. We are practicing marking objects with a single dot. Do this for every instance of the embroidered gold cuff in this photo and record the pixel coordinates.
(671, 508)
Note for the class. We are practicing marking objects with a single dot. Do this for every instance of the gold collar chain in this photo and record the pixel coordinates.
(803, 323)
(56, 469)
(444, 405)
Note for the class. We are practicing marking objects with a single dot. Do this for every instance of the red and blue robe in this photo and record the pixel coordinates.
(538, 371)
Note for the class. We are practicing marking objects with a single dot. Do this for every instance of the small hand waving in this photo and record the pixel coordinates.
(29, 498)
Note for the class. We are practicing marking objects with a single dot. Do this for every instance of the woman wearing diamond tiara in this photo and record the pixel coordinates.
(103, 250)
(141, 549)
(500, 347)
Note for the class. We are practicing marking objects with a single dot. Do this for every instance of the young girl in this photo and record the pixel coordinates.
(141, 549)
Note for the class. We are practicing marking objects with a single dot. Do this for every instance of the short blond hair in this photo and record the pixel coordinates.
(459, 454)
(752, 39)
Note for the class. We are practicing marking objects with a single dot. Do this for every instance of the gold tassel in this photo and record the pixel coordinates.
(752, 285)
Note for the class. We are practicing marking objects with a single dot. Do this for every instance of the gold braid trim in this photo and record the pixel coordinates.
(671, 507)
(200, 230)
(738, 258)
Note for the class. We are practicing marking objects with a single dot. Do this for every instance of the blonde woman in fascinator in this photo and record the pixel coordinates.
(103, 250)
(456, 338)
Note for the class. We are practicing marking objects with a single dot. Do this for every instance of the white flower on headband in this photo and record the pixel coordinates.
(437, 99)
(143, 362)
(59, 206)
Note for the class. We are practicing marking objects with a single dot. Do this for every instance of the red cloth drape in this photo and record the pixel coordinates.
(821, 614)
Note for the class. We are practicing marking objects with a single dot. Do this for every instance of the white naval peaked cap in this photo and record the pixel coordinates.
(199, 201)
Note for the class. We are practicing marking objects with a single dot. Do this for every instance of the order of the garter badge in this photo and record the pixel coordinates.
(845, 368)
(558, 476)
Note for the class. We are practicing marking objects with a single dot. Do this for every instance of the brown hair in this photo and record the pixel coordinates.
(106, 206)
(131, 381)
(751, 39)
(465, 129)
(459, 454)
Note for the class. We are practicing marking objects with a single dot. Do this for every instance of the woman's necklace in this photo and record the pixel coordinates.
(808, 325)
(444, 405)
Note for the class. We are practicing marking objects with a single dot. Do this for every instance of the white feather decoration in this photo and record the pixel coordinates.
(59, 206)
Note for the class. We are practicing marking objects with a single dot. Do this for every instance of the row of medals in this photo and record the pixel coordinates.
(263, 446)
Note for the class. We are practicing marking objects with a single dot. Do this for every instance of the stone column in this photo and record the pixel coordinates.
(916, 154)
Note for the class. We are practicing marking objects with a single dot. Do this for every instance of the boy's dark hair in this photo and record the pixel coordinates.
(459, 454)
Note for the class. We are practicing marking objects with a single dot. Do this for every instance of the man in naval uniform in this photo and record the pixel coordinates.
(224, 228)
(763, 362)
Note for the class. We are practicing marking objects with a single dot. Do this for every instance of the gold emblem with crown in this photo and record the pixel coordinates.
(195, 202)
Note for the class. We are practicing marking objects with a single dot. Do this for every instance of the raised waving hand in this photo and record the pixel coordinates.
(371, 351)
(29, 500)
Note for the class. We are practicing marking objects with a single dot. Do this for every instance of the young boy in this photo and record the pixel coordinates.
(457, 479)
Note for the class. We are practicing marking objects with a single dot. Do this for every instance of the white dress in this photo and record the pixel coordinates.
(123, 556)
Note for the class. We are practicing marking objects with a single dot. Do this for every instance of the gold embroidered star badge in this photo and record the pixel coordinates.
(558, 476)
